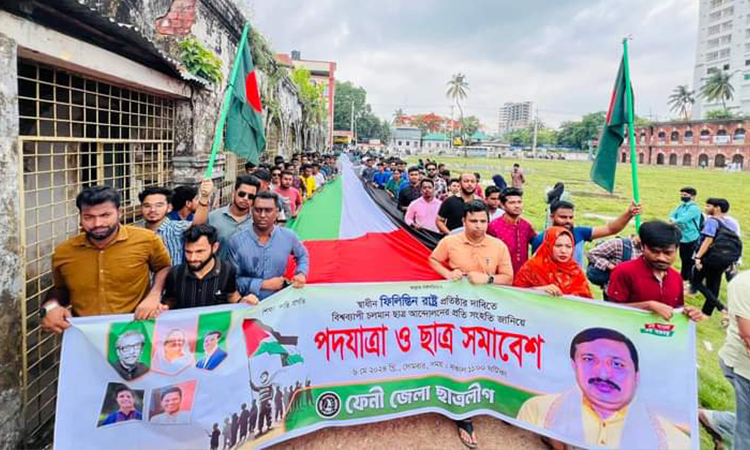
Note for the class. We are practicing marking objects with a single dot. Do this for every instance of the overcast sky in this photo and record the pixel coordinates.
(561, 54)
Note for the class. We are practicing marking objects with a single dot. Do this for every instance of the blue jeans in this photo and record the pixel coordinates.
(734, 425)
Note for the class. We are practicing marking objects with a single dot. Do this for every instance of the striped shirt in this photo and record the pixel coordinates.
(171, 232)
(182, 289)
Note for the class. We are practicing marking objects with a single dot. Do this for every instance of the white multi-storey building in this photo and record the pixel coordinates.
(515, 116)
(723, 45)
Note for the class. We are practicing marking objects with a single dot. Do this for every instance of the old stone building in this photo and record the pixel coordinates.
(709, 144)
(91, 92)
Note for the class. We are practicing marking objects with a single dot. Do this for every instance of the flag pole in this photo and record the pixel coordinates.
(219, 134)
(631, 131)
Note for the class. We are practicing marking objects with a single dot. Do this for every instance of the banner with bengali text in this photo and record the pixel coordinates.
(588, 373)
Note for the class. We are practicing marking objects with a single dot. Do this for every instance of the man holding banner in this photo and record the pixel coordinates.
(605, 401)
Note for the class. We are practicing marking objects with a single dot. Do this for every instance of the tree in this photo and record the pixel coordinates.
(719, 87)
(398, 117)
(681, 100)
(469, 126)
(311, 96)
(428, 123)
(348, 97)
(719, 114)
(457, 91)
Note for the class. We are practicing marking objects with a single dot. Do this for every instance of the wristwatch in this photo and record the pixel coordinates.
(46, 308)
(490, 279)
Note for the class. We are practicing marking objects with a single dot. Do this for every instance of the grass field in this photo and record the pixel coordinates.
(659, 186)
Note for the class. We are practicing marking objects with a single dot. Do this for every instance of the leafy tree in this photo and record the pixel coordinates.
(719, 87)
(311, 95)
(428, 123)
(469, 126)
(681, 101)
(348, 95)
(719, 114)
(457, 92)
(398, 117)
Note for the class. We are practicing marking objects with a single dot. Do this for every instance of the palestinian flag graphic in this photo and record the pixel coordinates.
(262, 340)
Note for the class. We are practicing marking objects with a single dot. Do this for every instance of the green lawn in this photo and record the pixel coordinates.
(659, 186)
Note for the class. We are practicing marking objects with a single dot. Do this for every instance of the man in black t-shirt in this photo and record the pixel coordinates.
(451, 213)
(204, 279)
(410, 192)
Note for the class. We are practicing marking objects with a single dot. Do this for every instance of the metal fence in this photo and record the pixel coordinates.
(75, 131)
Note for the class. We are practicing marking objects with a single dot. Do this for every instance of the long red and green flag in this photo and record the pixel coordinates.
(242, 111)
(351, 240)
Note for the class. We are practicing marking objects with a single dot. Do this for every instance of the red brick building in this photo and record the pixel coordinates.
(708, 143)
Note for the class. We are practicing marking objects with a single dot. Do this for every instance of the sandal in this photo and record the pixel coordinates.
(724, 320)
(468, 427)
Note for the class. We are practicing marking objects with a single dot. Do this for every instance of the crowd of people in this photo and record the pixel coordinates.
(485, 238)
(186, 255)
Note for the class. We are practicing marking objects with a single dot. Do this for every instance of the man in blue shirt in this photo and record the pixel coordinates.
(126, 408)
(261, 252)
(688, 217)
(382, 176)
(563, 215)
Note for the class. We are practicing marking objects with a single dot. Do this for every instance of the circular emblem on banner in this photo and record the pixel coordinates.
(328, 405)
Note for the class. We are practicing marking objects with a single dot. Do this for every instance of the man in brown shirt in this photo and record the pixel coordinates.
(106, 269)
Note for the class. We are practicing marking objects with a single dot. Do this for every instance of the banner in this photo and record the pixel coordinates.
(588, 373)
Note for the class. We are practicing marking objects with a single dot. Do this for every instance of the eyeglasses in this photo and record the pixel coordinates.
(242, 194)
(130, 348)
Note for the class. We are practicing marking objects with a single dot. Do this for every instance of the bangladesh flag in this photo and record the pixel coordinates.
(244, 118)
(603, 170)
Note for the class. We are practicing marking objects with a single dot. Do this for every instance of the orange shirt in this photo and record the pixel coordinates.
(112, 280)
(489, 256)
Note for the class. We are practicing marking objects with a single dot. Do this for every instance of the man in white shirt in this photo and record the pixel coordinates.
(171, 399)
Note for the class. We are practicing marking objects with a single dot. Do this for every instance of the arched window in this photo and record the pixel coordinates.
(703, 160)
(688, 136)
(660, 159)
(739, 135)
(705, 136)
(662, 136)
(674, 137)
(641, 158)
(687, 159)
(643, 137)
(721, 132)
(673, 159)
(739, 160)
(720, 161)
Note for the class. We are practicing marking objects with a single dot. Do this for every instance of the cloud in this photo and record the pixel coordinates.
(563, 55)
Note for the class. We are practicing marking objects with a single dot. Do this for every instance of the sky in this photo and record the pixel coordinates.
(561, 54)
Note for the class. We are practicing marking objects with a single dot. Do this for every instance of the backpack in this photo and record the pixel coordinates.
(726, 248)
(701, 222)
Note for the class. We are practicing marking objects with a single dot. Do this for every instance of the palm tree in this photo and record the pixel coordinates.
(681, 99)
(718, 87)
(398, 116)
(457, 87)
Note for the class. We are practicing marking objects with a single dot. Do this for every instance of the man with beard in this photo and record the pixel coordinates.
(650, 282)
(290, 195)
(516, 232)
(260, 254)
(204, 279)
(451, 214)
(441, 187)
(563, 215)
(235, 216)
(155, 205)
(603, 409)
(422, 212)
(107, 268)
(411, 191)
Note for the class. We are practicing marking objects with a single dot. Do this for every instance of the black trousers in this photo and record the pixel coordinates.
(707, 281)
(265, 416)
(686, 258)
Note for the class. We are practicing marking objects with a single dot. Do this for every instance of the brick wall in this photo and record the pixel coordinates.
(178, 20)
(710, 144)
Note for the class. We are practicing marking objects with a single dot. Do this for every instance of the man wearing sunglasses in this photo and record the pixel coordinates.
(260, 252)
(235, 216)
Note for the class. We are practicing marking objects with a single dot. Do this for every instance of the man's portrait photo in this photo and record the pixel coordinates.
(121, 404)
(211, 345)
(172, 404)
(213, 355)
(603, 408)
(130, 348)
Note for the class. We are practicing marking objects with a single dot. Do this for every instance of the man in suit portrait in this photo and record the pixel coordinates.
(213, 355)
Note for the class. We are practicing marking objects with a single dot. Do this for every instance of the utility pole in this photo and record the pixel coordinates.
(536, 130)
(351, 124)
(451, 126)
